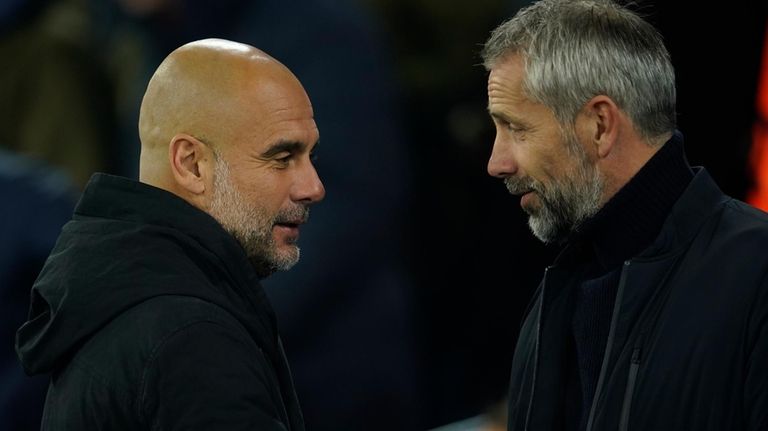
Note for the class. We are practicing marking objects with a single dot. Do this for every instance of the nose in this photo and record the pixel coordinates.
(308, 189)
(502, 162)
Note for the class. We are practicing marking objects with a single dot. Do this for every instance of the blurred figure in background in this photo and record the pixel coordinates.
(37, 201)
(56, 119)
(55, 101)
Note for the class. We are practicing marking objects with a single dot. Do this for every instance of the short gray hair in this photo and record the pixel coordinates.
(574, 50)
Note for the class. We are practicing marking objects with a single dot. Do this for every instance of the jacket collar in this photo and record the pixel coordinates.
(700, 201)
(117, 198)
(129, 242)
(633, 218)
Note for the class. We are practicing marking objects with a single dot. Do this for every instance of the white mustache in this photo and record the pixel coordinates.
(518, 186)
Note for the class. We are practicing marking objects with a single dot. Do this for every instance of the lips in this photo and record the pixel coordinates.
(293, 220)
(524, 192)
(526, 200)
(288, 231)
(520, 191)
(288, 221)
(291, 224)
(293, 217)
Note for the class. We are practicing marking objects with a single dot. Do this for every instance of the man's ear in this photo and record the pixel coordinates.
(603, 118)
(191, 163)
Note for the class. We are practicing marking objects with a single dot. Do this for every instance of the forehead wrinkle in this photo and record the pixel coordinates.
(506, 91)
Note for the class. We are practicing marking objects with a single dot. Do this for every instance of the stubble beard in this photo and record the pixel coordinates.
(564, 202)
(251, 226)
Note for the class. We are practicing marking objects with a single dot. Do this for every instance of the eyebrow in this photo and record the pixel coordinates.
(500, 116)
(282, 146)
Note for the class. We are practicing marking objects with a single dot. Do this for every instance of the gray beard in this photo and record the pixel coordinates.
(250, 225)
(565, 202)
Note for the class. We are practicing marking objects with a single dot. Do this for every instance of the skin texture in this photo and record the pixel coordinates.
(565, 173)
(231, 130)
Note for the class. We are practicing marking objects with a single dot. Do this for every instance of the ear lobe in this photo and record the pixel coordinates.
(604, 113)
(187, 155)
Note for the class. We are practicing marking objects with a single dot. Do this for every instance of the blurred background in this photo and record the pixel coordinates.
(417, 267)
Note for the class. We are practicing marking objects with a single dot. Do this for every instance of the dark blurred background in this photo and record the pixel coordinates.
(416, 269)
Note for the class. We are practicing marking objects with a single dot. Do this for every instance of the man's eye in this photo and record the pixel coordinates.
(512, 127)
(284, 158)
(313, 157)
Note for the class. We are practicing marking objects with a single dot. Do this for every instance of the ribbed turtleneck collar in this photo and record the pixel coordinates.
(631, 220)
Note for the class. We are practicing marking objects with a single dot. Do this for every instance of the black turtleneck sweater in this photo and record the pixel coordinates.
(626, 225)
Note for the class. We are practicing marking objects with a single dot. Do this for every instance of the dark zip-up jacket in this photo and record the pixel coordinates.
(149, 316)
(688, 341)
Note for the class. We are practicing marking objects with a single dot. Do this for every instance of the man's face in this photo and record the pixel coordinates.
(265, 181)
(538, 159)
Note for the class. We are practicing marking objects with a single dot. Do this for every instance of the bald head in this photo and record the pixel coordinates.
(204, 89)
(230, 130)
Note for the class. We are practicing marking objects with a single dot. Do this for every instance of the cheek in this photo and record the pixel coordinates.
(271, 200)
(269, 190)
(556, 160)
(541, 166)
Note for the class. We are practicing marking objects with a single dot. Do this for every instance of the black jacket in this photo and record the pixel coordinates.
(149, 316)
(688, 342)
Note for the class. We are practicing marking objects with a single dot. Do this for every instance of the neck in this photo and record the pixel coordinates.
(625, 160)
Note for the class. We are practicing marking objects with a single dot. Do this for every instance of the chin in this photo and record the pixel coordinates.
(532, 210)
(286, 256)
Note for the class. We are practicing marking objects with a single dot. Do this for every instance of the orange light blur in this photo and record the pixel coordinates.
(758, 196)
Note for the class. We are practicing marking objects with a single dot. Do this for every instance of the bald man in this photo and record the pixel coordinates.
(149, 313)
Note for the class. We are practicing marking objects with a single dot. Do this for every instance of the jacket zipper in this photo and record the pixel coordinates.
(634, 366)
(536, 350)
(608, 345)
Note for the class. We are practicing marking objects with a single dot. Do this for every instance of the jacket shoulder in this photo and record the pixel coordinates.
(131, 338)
(755, 216)
(105, 373)
(168, 312)
(741, 226)
(166, 359)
